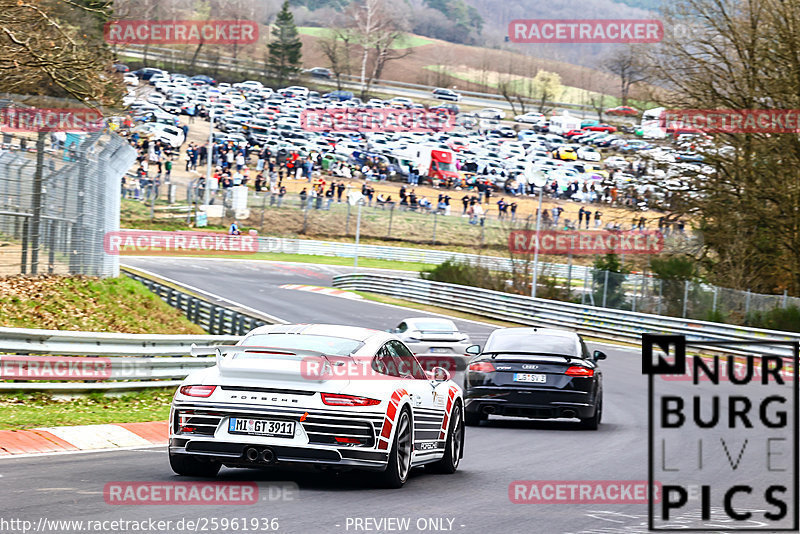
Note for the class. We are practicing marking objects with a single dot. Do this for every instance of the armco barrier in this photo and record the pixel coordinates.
(141, 370)
(602, 323)
(214, 318)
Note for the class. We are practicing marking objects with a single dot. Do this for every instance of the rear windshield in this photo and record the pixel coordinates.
(434, 326)
(335, 346)
(532, 343)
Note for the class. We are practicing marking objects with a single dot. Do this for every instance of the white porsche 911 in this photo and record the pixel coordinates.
(336, 396)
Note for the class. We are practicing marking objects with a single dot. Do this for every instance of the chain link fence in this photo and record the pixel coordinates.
(59, 196)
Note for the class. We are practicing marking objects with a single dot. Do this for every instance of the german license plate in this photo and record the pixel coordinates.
(261, 427)
(440, 349)
(528, 377)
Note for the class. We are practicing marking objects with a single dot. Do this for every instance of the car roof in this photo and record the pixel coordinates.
(349, 332)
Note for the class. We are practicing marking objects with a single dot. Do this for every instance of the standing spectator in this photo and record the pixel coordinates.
(597, 218)
(588, 218)
(281, 193)
(465, 202)
(168, 169)
(513, 207)
(501, 209)
(329, 196)
(339, 191)
(580, 216)
(303, 198)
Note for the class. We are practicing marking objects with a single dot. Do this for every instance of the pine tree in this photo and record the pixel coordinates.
(285, 47)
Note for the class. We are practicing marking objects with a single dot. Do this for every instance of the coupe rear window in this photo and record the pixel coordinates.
(562, 346)
(435, 326)
(335, 346)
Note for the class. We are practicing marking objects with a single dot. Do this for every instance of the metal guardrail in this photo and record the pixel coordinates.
(136, 360)
(214, 318)
(130, 357)
(404, 254)
(603, 323)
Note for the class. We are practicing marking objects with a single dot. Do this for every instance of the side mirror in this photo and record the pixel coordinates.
(474, 350)
(440, 374)
(599, 355)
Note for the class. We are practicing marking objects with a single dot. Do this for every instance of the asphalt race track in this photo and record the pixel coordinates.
(474, 500)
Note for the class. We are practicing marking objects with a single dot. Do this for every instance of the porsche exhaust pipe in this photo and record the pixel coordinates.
(266, 456)
(251, 453)
(488, 409)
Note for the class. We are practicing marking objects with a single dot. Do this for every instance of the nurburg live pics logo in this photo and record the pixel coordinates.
(725, 439)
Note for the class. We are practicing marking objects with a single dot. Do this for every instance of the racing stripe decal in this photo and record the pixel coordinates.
(450, 397)
(388, 421)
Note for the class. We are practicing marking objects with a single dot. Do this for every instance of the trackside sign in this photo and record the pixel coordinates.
(588, 242)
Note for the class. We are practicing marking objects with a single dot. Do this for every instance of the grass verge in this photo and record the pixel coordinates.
(23, 410)
(85, 303)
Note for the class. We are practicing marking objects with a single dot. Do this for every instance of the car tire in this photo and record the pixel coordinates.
(474, 419)
(593, 423)
(184, 464)
(454, 448)
(399, 465)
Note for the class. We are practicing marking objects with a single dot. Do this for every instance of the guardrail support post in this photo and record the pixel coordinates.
(747, 304)
(685, 297)
(714, 302)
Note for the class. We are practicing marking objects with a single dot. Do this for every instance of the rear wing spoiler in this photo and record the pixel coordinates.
(219, 351)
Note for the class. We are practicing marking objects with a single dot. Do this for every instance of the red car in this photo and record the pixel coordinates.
(624, 111)
(575, 133)
(602, 128)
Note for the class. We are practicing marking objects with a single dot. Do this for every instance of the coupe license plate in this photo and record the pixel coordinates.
(528, 377)
(261, 427)
(439, 349)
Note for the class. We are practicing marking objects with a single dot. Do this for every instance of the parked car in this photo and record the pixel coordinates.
(532, 117)
(623, 111)
(446, 94)
(602, 128)
(492, 113)
(320, 72)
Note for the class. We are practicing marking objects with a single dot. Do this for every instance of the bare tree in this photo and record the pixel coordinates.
(336, 48)
(377, 29)
(629, 66)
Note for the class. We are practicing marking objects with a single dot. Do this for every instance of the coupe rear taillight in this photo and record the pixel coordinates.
(481, 367)
(579, 371)
(349, 441)
(335, 399)
(197, 391)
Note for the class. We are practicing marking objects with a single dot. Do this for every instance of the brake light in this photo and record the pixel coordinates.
(481, 367)
(334, 399)
(579, 371)
(197, 391)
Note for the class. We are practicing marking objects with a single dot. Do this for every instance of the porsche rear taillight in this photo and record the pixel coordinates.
(335, 399)
(197, 391)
